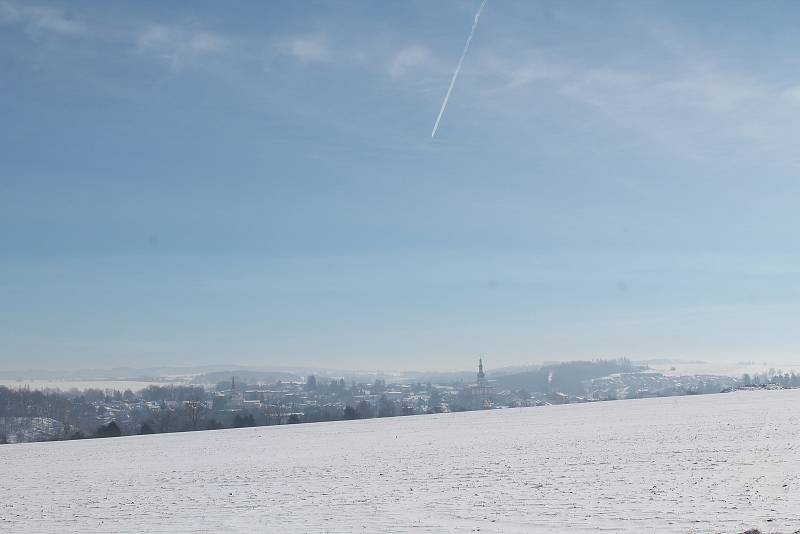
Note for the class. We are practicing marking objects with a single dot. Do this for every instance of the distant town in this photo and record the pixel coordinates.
(249, 398)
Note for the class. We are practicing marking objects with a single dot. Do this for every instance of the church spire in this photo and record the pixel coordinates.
(481, 375)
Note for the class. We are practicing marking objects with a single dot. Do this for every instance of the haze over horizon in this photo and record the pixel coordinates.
(259, 185)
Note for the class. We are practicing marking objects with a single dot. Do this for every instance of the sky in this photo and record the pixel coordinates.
(256, 183)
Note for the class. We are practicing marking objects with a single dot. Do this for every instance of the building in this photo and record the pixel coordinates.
(481, 393)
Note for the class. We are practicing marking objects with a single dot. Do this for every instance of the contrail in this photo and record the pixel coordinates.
(458, 67)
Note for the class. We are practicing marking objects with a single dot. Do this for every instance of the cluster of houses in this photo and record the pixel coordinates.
(194, 407)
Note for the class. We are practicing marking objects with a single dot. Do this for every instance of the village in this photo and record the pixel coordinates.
(36, 415)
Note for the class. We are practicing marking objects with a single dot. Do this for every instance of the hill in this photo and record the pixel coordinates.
(568, 377)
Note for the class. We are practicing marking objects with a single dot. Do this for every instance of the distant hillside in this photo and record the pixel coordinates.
(564, 377)
(245, 376)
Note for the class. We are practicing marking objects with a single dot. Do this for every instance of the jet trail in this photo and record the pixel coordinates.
(458, 67)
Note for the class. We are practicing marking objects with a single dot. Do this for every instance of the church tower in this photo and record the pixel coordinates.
(482, 392)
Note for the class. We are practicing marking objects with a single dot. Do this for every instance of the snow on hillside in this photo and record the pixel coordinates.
(699, 464)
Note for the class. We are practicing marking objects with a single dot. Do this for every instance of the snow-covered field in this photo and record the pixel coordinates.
(701, 464)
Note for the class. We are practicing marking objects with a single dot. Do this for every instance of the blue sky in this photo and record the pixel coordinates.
(255, 183)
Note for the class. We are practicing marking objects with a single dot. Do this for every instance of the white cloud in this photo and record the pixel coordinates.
(408, 58)
(180, 46)
(697, 108)
(307, 48)
(530, 68)
(207, 42)
(53, 20)
(39, 20)
(792, 95)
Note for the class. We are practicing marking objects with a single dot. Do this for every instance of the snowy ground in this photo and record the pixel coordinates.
(700, 464)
